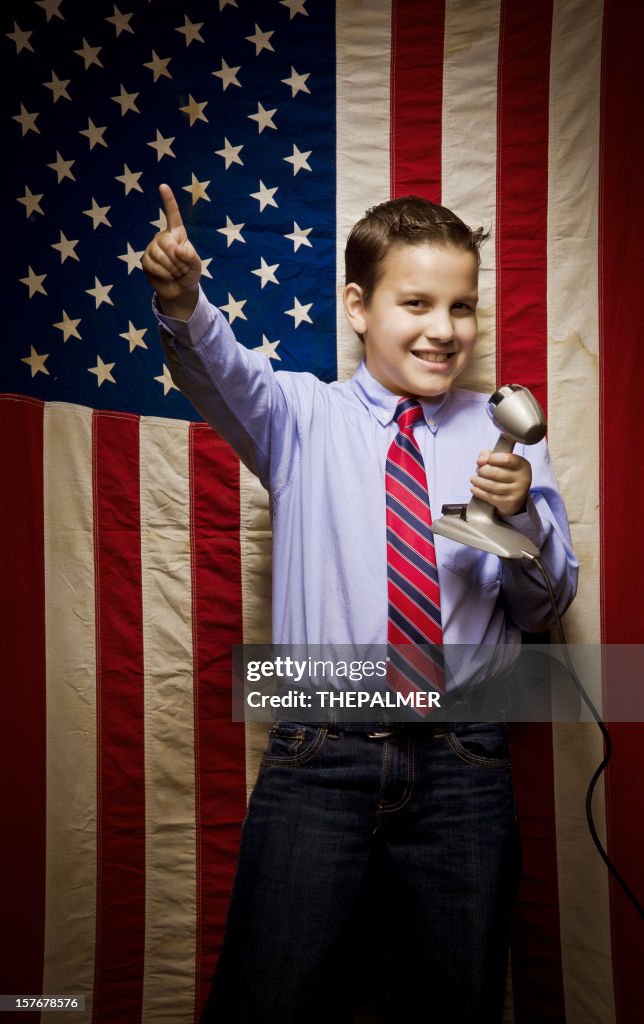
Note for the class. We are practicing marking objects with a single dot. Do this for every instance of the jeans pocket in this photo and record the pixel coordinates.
(480, 743)
(293, 743)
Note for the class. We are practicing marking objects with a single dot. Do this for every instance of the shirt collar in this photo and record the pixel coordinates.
(381, 402)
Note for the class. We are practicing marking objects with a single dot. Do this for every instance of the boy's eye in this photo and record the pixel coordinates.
(414, 303)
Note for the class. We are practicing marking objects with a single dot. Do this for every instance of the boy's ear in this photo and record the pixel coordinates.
(354, 307)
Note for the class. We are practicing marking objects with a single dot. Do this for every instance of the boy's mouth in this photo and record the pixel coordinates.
(433, 357)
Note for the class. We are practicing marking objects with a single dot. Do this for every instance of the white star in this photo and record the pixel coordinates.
(191, 30)
(227, 74)
(26, 120)
(36, 362)
(103, 371)
(224, 3)
(68, 327)
(295, 7)
(100, 292)
(266, 273)
(234, 308)
(264, 196)
(267, 348)
(66, 247)
(31, 201)
(121, 22)
(94, 134)
(20, 38)
(160, 224)
(162, 146)
(130, 179)
(34, 282)
(63, 168)
(166, 380)
(134, 336)
(98, 214)
(194, 110)
(232, 232)
(299, 236)
(58, 87)
(159, 66)
(263, 117)
(132, 258)
(126, 101)
(297, 82)
(205, 264)
(51, 8)
(230, 154)
(89, 54)
(299, 160)
(299, 312)
(261, 40)
(197, 190)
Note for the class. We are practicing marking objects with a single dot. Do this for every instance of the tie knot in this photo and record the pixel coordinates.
(408, 412)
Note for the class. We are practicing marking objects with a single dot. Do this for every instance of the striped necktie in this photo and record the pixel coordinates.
(414, 631)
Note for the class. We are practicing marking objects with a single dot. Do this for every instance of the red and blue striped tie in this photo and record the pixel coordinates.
(414, 632)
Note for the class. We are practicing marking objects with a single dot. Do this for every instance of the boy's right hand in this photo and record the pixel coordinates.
(171, 263)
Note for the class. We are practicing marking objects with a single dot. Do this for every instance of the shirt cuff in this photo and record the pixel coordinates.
(186, 332)
(528, 522)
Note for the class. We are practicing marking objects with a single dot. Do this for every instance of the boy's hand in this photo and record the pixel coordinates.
(171, 263)
(503, 479)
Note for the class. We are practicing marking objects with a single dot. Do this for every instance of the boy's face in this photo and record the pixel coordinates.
(419, 327)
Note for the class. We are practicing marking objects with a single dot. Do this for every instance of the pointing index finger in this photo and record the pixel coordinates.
(170, 208)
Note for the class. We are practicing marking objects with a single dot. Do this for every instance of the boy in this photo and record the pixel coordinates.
(428, 810)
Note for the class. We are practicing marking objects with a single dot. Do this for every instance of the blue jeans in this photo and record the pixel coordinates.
(425, 815)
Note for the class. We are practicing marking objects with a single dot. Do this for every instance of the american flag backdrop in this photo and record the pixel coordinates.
(136, 549)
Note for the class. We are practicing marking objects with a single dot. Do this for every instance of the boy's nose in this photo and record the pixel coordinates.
(439, 326)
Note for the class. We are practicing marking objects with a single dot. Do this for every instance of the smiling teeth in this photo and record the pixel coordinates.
(433, 357)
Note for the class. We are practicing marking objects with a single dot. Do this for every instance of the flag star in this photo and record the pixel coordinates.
(295, 7)
(266, 273)
(101, 293)
(261, 40)
(159, 66)
(194, 110)
(98, 214)
(197, 190)
(103, 371)
(264, 196)
(227, 74)
(36, 362)
(58, 87)
(66, 247)
(69, 327)
(162, 146)
(232, 233)
(160, 224)
(31, 201)
(297, 82)
(166, 380)
(90, 54)
(20, 38)
(300, 313)
(132, 258)
(267, 348)
(234, 308)
(263, 117)
(51, 8)
(191, 30)
(126, 101)
(120, 21)
(134, 336)
(94, 134)
(26, 121)
(130, 179)
(34, 282)
(63, 168)
(205, 264)
(299, 236)
(224, 3)
(299, 160)
(230, 154)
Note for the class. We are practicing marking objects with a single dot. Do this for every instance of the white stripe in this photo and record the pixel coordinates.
(70, 901)
(363, 44)
(469, 153)
(573, 413)
(170, 898)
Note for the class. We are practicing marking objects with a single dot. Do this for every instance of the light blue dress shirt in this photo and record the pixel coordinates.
(320, 450)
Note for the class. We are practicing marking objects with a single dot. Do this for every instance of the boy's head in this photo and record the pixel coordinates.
(411, 293)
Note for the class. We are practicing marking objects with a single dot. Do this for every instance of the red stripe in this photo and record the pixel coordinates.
(522, 214)
(405, 532)
(23, 698)
(417, 30)
(120, 910)
(219, 742)
(414, 467)
(407, 569)
(422, 622)
(621, 481)
(418, 508)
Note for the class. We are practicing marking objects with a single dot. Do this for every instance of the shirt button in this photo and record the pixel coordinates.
(432, 422)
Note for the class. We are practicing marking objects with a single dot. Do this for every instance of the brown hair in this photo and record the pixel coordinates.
(410, 220)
